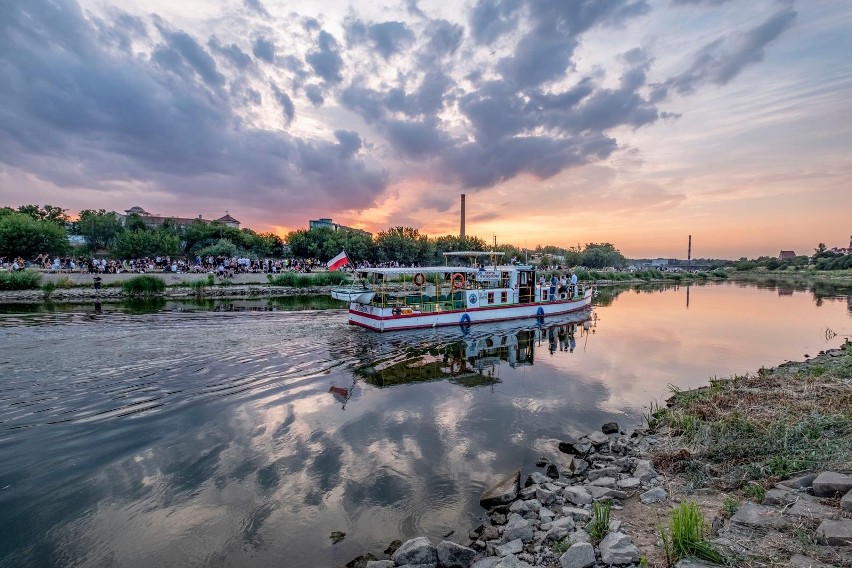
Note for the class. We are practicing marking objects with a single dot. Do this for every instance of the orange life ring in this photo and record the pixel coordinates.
(457, 281)
(419, 279)
(457, 366)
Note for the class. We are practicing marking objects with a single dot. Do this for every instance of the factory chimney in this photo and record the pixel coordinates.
(461, 229)
(689, 250)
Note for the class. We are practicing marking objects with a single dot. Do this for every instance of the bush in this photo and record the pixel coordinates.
(685, 536)
(599, 525)
(20, 280)
(144, 286)
(296, 280)
(48, 288)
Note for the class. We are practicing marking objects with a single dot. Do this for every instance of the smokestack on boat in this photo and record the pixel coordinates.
(461, 229)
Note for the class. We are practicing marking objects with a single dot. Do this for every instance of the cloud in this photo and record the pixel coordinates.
(285, 102)
(231, 52)
(491, 19)
(257, 7)
(76, 113)
(325, 60)
(264, 49)
(720, 61)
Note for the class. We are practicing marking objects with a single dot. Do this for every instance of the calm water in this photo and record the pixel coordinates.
(243, 434)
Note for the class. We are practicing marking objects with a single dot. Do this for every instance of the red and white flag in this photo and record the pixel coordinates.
(338, 261)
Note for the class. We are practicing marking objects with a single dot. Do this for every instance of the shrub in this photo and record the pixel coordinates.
(296, 280)
(599, 525)
(144, 286)
(48, 288)
(685, 536)
(20, 280)
(64, 282)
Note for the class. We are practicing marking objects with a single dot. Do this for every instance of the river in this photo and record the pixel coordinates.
(244, 433)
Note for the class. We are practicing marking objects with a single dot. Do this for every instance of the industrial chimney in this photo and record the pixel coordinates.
(689, 250)
(461, 229)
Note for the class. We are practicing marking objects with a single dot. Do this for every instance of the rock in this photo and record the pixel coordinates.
(487, 562)
(604, 482)
(829, 484)
(835, 533)
(800, 561)
(504, 491)
(534, 505)
(758, 516)
(380, 564)
(570, 446)
(597, 438)
(580, 535)
(552, 471)
(519, 507)
(595, 474)
(578, 466)
(416, 551)
(809, 509)
(577, 495)
(580, 555)
(798, 483)
(610, 428)
(536, 478)
(337, 536)
(693, 563)
(512, 562)
(617, 548)
(542, 462)
(655, 495)
(393, 547)
(511, 547)
(555, 534)
(629, 483)
(498, 518)
(491, 533)
(645, 471)
(518, 528)
(577, 514)
(361, 561)
(452, 555)
(474, 534)
(779, 497)
(846, 502)
(544, 496)
(599, 493)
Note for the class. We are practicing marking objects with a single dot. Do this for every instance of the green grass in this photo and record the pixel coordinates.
(19, 280)
(144, 286)
(48, 288)
(296, 280)
(599, 525)
(563, 545)
(755, 491)
(730, 506)
(685, 536)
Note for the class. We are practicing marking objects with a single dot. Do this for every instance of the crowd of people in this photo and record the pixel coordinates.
(219, 265)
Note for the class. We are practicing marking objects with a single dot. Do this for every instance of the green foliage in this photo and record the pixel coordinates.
(19, 280)
(730, 506)
(47, 213)
(140, 243)
(755, 492)
(144, 286)
(563, 545)
(99, 227)
(48, 288)
(601, 255)
(599, 525)
(222, 247)
(21, 235)
(65, 282)
(199, 286)
(685, 536)
(404, 245)
(295, 280)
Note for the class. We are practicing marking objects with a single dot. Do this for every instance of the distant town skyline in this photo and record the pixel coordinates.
(565, 122)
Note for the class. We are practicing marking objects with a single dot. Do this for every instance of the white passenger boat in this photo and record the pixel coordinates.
(433, 296)
(359, 295)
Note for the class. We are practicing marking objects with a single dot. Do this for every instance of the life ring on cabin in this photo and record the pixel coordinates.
(419, 279)
(457, 281)
(457, 366)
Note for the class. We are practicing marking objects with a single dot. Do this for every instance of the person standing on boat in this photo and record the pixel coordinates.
(554, 282)
(573, 283)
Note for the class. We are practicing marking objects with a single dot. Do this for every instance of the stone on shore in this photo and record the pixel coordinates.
(801, 561)
(452, 555)
(504, 491)
(830, 484)
(758, 516)
(645, 471)
(577, 495)
(580, 555)
(598, 438)
(610, 428)
(801, 482)
(655, 495)
(835, 533)
(380, 564)
(617, 548)
(511, 547)
(846, 502)
(416, 551)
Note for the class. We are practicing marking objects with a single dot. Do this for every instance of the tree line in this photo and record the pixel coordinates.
(32, 230)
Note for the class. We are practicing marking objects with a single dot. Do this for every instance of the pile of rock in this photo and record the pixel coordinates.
(526, 524)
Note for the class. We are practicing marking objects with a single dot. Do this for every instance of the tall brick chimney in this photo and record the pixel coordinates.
(461, 229)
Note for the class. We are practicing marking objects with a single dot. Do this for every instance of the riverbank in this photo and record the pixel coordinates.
(756, 465)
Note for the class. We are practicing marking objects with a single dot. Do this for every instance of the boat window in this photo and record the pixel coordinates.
(504, 297)
(490, 297)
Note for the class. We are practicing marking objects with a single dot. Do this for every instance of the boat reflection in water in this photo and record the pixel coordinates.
(468, 359)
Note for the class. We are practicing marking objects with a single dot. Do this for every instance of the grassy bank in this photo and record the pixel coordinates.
(752, 430)
(21, 280)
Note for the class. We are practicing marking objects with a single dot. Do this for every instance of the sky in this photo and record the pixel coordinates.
(564, 122)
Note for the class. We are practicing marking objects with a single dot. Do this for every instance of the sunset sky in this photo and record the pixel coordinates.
(635, 122)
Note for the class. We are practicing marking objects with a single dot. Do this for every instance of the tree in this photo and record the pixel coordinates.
(222, 247)
(134, 222)
(21, 235)
(142, 243)
(404, 245)
(602, 255)
(99, 227)
(47, 213)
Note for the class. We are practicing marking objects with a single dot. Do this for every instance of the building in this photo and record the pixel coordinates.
(326, 223)
(786, 255)
(153, 221)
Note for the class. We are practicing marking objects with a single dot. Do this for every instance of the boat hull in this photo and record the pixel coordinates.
(377, 319)
(356, 295)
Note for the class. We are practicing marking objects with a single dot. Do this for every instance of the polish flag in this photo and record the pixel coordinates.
(337, 261)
